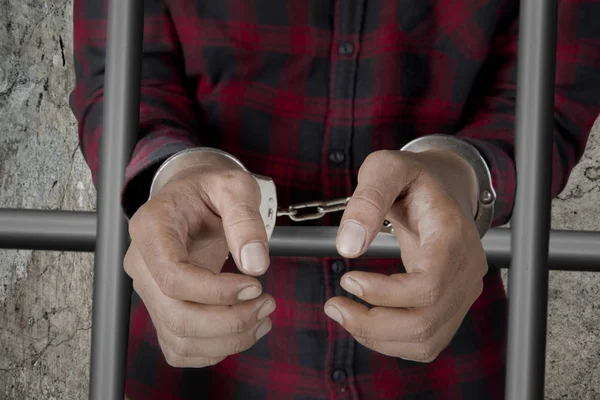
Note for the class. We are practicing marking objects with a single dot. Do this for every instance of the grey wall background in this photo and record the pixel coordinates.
(45, 297)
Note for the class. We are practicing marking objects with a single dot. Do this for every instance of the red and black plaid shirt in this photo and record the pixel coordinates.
(302, 91)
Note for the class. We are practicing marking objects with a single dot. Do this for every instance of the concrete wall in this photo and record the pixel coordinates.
(45, 297)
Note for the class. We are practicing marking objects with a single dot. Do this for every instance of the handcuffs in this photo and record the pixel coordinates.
(270, 211)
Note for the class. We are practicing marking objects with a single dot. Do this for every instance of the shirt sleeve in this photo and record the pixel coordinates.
(491, 125)
(168, 121)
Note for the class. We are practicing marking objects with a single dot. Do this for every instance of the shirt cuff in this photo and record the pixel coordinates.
(500, 161)
(148, 156)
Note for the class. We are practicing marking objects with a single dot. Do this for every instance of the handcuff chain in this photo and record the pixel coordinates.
(322, 208)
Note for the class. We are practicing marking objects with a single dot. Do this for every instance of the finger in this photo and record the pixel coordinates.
(214, 347)
(411, 289)
(236, 197)
(423, 352)
(416, 325)
(431, 267)
(186, 320)
(381, 179)
(177, 361)
(187, 282)
(173, 359)
(420, 288)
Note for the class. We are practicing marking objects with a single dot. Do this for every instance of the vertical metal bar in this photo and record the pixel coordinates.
(112, 287)
(528, 275)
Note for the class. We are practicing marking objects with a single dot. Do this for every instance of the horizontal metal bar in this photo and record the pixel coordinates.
(569, 250)
(48, 230)
(76, 231)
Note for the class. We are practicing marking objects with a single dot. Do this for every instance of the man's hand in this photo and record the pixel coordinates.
(179, 243)
(430, 198)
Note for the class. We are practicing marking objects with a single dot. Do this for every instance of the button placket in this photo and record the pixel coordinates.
(345, 52)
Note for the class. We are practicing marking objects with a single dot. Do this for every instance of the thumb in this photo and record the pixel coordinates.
(383, 176)
(236, 197)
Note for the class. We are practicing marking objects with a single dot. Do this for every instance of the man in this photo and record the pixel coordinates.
(321, 96)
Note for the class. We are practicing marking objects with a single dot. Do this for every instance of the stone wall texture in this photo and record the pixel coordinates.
(45, 297)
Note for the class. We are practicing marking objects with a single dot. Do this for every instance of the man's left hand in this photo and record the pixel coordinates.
(430, 199)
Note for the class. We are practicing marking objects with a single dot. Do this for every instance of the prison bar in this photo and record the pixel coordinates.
(112, 287)
(48, 230)
(76, 231)
(528, 276)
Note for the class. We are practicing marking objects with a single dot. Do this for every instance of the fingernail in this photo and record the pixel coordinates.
(263, 328)
(254, 258)
(265, 310)
(249, 293)
(352, 286)
(333, 313)
(352, 238)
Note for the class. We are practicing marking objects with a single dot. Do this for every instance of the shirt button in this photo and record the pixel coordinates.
(346, 49)
(337, 157)
(338, 376)
(338, 266)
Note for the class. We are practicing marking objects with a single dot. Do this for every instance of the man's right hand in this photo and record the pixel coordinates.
(179, 242)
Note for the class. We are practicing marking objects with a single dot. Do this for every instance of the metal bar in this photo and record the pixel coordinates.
(569, 250)
(48, 230)
(528, 277)
(76, 231)
(112, 287)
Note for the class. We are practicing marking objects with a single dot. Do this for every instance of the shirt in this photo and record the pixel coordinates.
(302, 91)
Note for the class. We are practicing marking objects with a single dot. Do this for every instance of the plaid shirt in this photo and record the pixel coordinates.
(303, 91)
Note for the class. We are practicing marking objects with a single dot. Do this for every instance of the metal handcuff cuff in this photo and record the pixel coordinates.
(270, 211)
